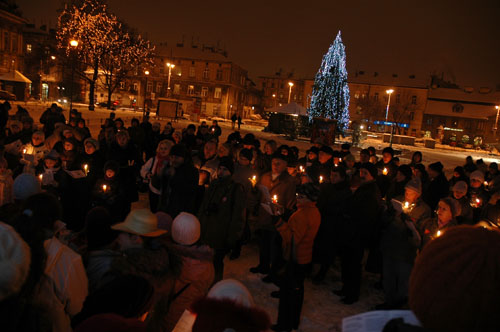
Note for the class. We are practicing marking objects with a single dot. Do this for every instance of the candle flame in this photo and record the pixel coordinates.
(24, 151)
(320, 179)
(104, 187)
(438, 233)
(275, 199)
(40, 177)
(385, 171)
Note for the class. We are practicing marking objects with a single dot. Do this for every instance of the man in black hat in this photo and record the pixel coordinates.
(281, 186)
(221, 214)
(361, 225)
(325, 158)
(438, 187)
(179, 182)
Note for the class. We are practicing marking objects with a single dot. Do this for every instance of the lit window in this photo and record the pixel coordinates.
(190, 91)
(219, 75)
(149, 88)
(192, 72)
(136, 87)
(356, 95)
(28, 48)
(204, 91)
(218, 93)
(205, 73)
(158, 87)
(122, 85)
(177, 89)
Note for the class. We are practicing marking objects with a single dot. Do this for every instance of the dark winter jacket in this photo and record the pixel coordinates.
(438, 188)
(130, 163)
(222, 213)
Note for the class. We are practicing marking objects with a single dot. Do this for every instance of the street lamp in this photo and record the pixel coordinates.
(146, 72)
(389, 92)
(496, 121)
(290, 84)
(274, 98)
(74, 44)
(170, 67)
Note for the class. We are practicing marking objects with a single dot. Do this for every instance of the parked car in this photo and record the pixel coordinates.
(7, 95)
(106, 105)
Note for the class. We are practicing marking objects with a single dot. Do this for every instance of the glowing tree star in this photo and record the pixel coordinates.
(330, 94)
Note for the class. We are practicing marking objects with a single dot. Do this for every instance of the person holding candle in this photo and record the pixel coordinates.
(109, 193)
(221, 214)
(325, 158)
(438, 186)
(446, 213)
(6, 183)
(37, 149)
(459, 192)
(278, 182)
(478, 194)
(400, 240)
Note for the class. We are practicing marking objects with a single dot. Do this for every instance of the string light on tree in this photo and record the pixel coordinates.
(330, 95)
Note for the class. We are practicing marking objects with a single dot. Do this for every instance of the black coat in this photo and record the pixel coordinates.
(178, 192)
(438, 188)
(130, 163)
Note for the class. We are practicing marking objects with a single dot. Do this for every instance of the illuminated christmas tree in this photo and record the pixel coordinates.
(330, 94)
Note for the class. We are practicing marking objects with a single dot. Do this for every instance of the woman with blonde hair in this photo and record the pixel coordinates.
(151, 172)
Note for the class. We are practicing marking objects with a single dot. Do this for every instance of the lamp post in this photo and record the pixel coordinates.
(496, 121)
(145, 92)
(389, 92)
(74, 44)
(170, 67)
(290, 85)
(274, 98)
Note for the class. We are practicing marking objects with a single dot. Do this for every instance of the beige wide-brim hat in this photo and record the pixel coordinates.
(140, 222)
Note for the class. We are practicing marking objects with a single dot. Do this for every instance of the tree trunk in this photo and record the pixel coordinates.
(92, 85)
(110, 88)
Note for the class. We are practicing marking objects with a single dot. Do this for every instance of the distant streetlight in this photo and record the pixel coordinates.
(496, 121)
(389, 92)
(290, 85)
(274, 98)
(170, 67)
(146, 72)
(74, 44)
(52, 57)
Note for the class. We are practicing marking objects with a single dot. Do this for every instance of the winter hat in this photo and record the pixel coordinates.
(228, 163)
(349, 157)
(310, 190)
(313, 173)
(112, 165)
(179, 150)
(228, 307)
(437, 166)
(454, 282)
(233, 290)
(111, 323)
(477, 175)
(53, 155)
(25, 185)
(415, 184)
(371, 168)
(454, 205)
(249, 139)
(406, 171)
(313, 149)
(140, 222)
(186, 229)
(15, 259)
(460, 186)
(278, 155)
(326, 149)
(98, 228)
(92, 141)
(247, 153)
(388, 150)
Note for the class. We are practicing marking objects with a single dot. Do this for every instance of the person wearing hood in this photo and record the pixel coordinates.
(221, 214)
(477, 194)
(438, 186)
(459, 192)
(446, 213)
(197, 272)
(34, 151)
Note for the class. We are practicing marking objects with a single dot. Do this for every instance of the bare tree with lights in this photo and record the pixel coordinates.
(103, 44)
(330, 95)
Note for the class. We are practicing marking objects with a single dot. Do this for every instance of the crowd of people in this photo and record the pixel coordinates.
(74, 255)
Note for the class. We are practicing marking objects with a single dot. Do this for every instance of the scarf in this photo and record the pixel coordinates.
(160, 163)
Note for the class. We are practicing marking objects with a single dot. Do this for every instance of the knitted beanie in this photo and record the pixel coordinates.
(247, 153)
(437, 166)
(25, 185)
(454, 282)
(460, 186)
(186, 229)
(477, 175)
(454, 205)
(15, 258)
(228, 163)
(415, 184)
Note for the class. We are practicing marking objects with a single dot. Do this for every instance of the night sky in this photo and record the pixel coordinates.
(458, 38)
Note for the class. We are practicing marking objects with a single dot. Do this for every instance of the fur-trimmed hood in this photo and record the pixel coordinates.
(214, 315)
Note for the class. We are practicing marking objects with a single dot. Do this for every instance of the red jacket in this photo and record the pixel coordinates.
(303, 226)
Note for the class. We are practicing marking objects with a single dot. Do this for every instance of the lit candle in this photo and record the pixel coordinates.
(104, 187)
(486, 183)
(86, 169)
(385, 171)
(24, 151)
(320, 179)
(253, 180)
(340, 159)
(40, 177)
(438, 234)
(407, 205)
(301, 169)
(275, 199)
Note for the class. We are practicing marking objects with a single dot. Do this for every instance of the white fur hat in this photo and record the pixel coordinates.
(186, 229)
(233, 290)
(15, 259)
(25, 185)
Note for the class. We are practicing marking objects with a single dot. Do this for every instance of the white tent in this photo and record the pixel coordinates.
(292, 109)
